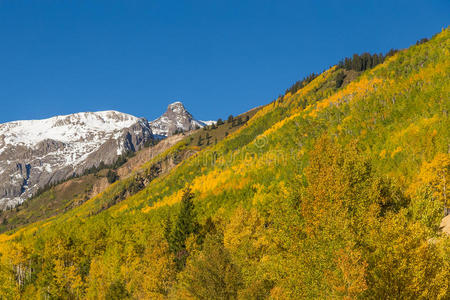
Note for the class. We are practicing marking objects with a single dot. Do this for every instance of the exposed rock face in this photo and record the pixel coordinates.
(176, 118)
(40, 152)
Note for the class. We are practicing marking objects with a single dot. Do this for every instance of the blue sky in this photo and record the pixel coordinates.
(218, 57)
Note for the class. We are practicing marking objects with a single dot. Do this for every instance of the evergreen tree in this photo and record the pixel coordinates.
(364, 61)
(112, 176)
(200, 140)
(117, 290)
(185, 225)
(340, 79)
(211, 273)
(168, 232)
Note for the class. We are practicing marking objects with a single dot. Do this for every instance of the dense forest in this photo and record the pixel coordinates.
(364, 61)
(331, 191)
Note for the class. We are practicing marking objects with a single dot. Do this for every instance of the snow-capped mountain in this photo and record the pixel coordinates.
(176, 118)
(38, 152)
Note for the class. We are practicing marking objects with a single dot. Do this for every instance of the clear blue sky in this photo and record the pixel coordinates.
(218, 57)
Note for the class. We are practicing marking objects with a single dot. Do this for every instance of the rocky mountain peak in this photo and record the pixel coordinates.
(36, 153)
(175, 119)
(177, 107)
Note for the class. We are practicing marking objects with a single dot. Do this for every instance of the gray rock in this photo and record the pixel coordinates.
(175, 118)
(34, 154)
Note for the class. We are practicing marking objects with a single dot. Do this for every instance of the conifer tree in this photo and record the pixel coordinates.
(200, 140)
(340, 79)
(185, 225)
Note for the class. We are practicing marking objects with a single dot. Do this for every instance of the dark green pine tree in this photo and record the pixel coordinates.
(340, 79)
(185, 225)
(200, 140)
(168, 233)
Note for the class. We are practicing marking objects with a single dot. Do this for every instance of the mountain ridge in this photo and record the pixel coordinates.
(35, 153)
(176, 119)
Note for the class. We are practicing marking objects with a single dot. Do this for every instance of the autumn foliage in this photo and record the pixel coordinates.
(329, 192)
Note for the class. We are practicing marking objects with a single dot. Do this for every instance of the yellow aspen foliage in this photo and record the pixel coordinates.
(321, 174)
(435, 175)
(166, 201)
(67, 278)
(352, 92)
(244, 232)
(8, 287)
(280, 124)
(406, 265)
(151, 275)
(396, 151)
(98, 282)
(348, 280)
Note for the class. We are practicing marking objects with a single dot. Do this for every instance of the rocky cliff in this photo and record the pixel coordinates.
(176, 119)
(36, 153)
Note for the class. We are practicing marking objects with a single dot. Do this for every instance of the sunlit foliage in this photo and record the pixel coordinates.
(327, 192)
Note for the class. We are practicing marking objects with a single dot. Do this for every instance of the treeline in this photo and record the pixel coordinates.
(365, 61)
(357, 62)
(121, 160)
(301, 83)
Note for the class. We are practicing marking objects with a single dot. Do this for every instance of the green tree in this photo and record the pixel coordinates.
(211, 273)
(200, 140)
(112, 176)
(185, 225)
(117, 291)
(339, 79)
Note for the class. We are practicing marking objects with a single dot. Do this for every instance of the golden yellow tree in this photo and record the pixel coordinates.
(436, 176)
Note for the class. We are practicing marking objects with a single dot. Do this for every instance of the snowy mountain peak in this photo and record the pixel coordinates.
(66, 128)
(178, 108)
(35, 153)
(176, 103)
(176, 118)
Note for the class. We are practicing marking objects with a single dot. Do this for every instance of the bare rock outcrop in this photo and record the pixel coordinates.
(36, 153)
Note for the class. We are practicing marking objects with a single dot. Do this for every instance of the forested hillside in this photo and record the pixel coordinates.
(331, 191)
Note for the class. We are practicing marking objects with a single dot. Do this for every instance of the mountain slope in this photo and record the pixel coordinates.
(75, 191)
(325, 193)
(36, 153)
